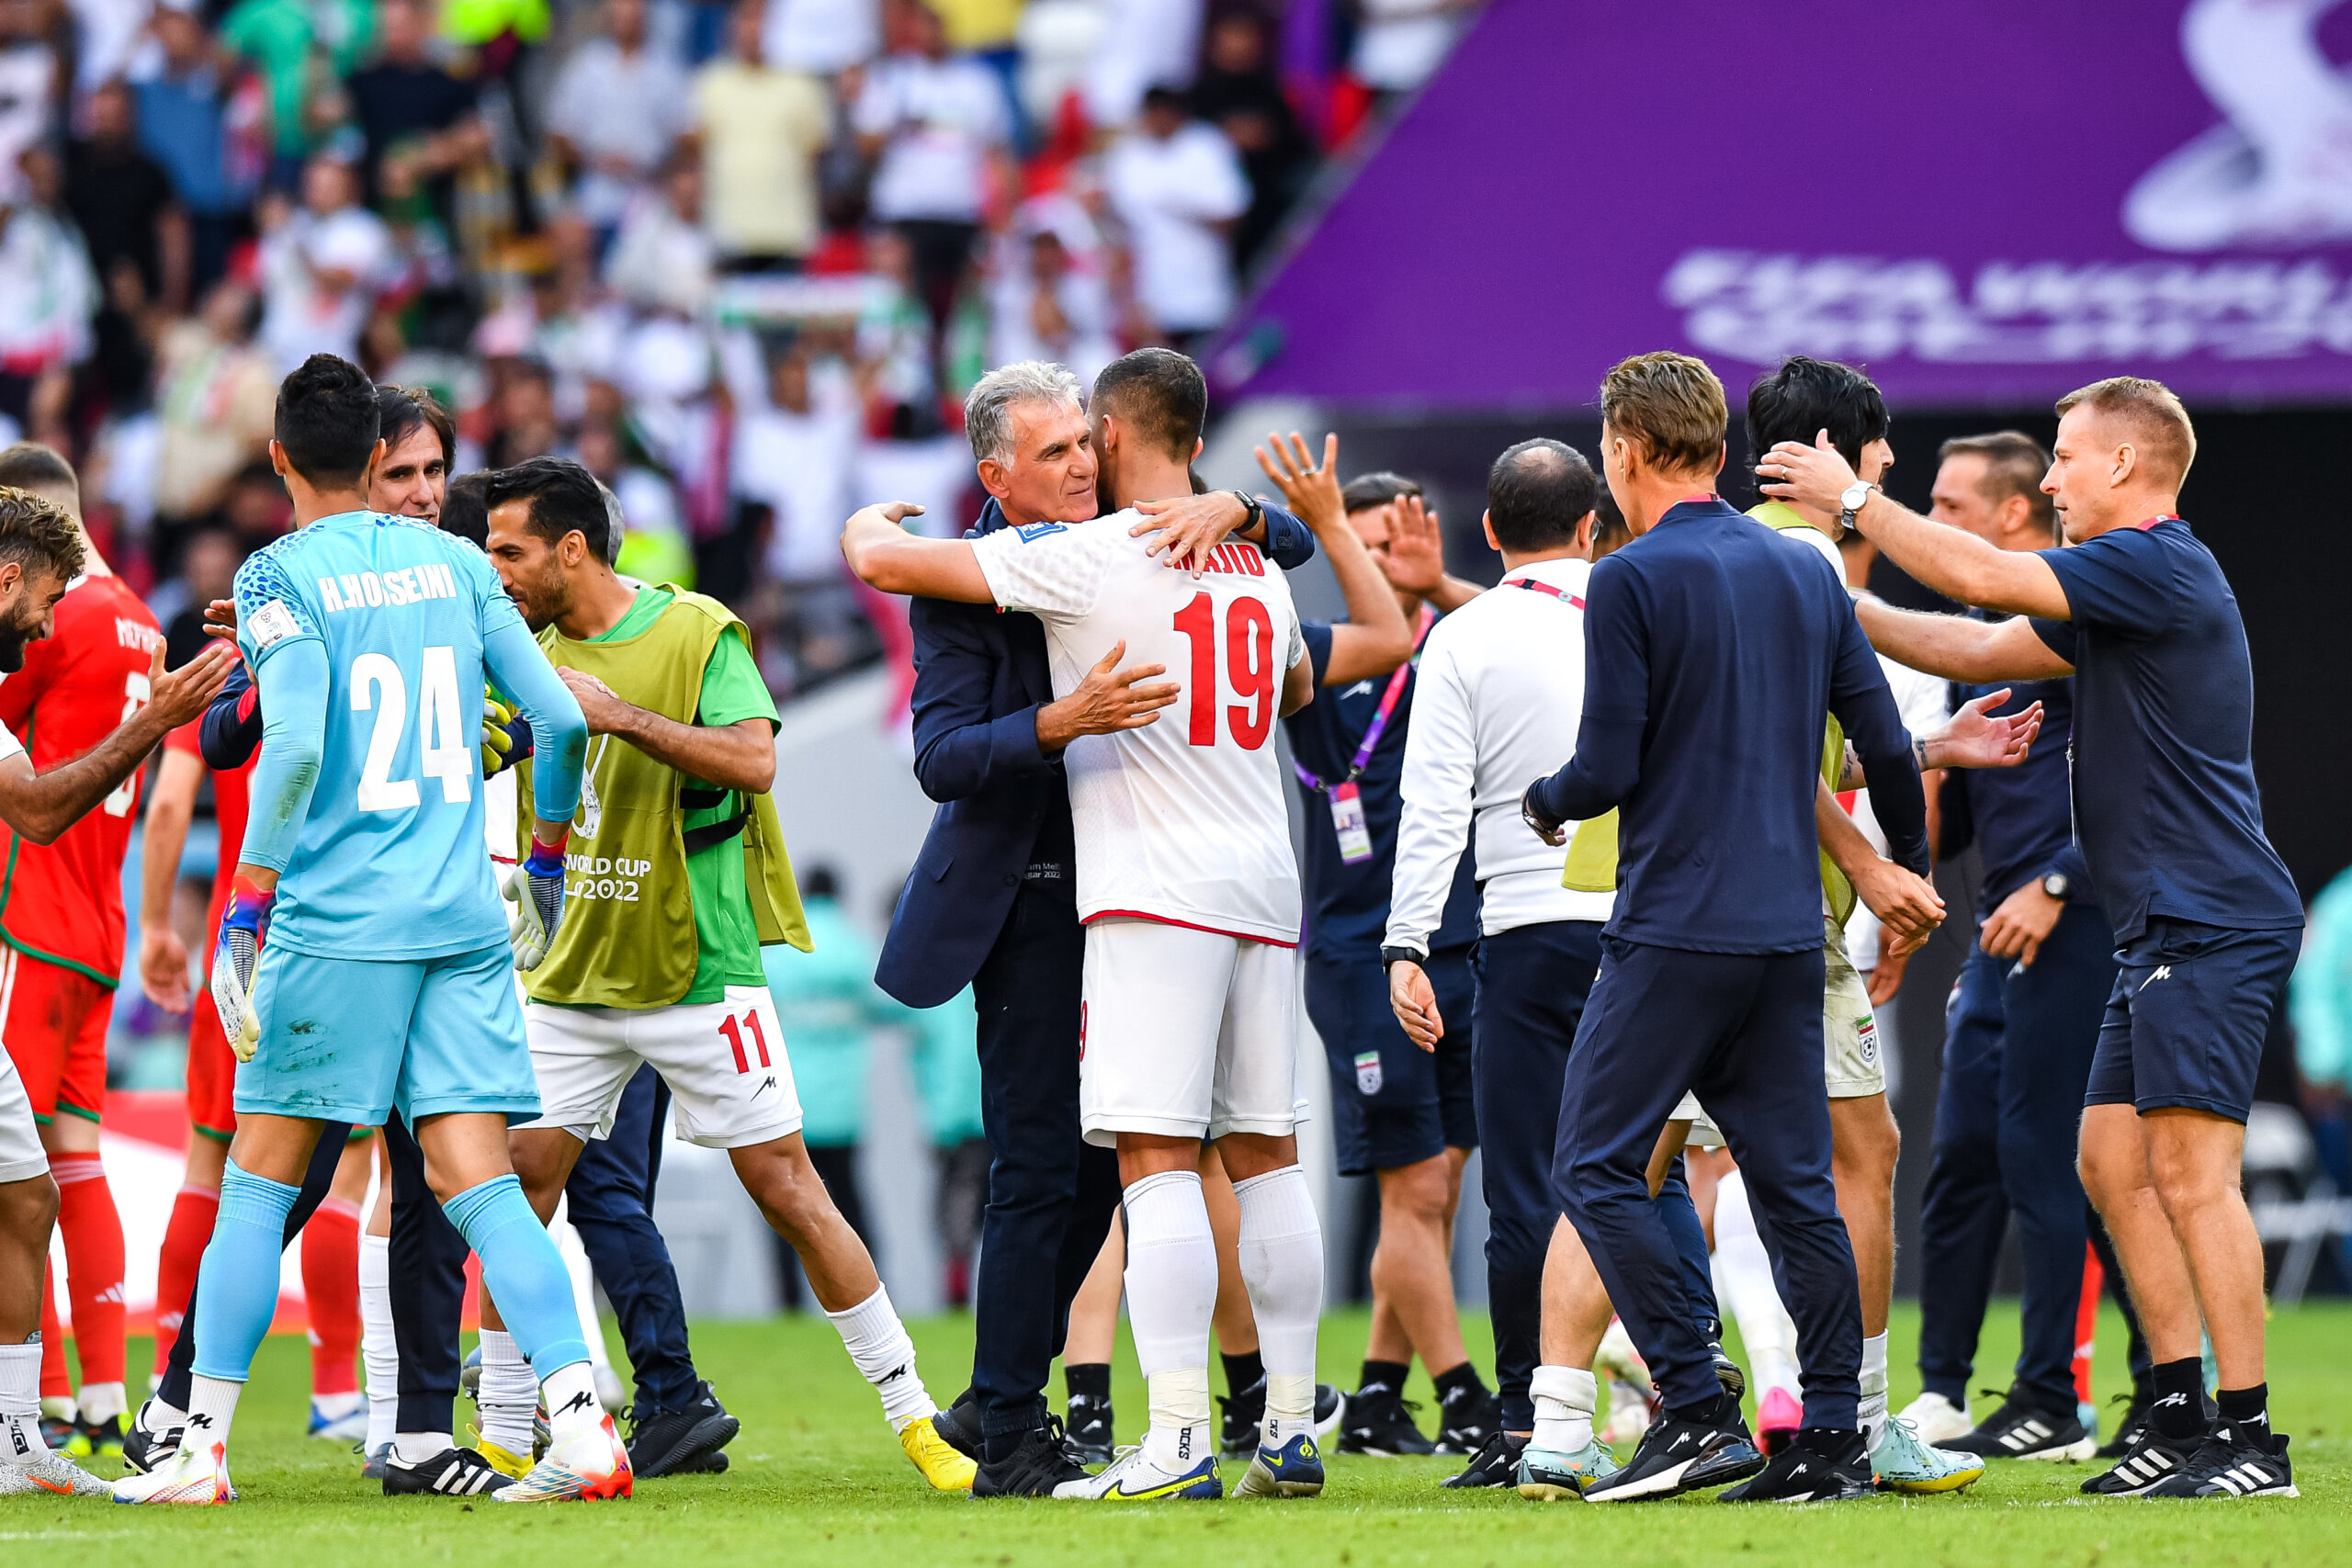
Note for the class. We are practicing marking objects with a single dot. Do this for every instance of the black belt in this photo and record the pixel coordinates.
(704, 799)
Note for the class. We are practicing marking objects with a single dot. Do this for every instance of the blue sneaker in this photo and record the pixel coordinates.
(1901, 1463)
(1294, 1469)
(1547, 1475)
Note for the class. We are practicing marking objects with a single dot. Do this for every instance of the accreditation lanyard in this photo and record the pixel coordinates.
(1347, 803)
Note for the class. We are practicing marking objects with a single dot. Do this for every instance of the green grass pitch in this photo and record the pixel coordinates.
(817, 1479)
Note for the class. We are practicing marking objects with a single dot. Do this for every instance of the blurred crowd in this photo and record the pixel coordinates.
(742, 260)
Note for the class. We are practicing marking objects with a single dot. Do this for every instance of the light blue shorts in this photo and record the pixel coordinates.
(353, 1040)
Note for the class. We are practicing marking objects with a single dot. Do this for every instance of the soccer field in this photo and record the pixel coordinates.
(816, 1478)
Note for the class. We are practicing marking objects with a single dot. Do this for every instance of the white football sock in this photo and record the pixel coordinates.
(1872, 1411)
(211, 1411)
(20, 1439)
(156, 1417)
(877, 1342)
(100, 1400)
(573, 1404)
(1743, 1271)
(1281, 1263)
(584, 1282)
(509, 1395)
(415, 1448)
(1566, 1398)
(1172, 1296)
(379, 1350)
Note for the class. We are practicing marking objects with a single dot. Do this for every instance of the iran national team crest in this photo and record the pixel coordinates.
(1866, 1036)
(1368, 1079)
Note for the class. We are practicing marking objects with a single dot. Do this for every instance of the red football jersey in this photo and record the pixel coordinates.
(62, 902)
(230, 793)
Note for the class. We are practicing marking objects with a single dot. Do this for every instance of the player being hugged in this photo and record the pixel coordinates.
(363, 965)
(1190, 899)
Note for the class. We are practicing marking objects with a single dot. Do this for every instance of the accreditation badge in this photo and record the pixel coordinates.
(1347, 819)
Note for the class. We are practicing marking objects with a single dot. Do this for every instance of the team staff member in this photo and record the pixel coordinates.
(2171, 829)
(62, 924)
(992, 901)
(1401, 1114)
(1713, 650)
(2018, 1048)
(43, 550)
(680, 876)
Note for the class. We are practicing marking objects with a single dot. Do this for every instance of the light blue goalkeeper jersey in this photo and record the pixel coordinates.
(389, 861)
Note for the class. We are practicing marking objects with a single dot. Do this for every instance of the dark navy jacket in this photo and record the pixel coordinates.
(1713, 650)
(231, 727)
(980, 676)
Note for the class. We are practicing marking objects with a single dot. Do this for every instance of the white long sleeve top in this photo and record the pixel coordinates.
(1495, 708)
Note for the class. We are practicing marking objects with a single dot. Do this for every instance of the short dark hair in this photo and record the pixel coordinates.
(1379, 488)
(1162, 393)
(328, 420)
(400, 410)
(564, 498)
(465, 508)
(1806, 396)
(29, 463)
(2015, 464)
(1537, 492)
(38, 535)
(819, 882)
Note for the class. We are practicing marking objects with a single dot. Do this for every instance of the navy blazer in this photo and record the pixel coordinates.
(981, 674)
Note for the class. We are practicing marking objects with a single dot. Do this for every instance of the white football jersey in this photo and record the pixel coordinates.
(1183, 820)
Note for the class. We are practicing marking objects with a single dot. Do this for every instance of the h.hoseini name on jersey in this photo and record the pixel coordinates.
(408, 585)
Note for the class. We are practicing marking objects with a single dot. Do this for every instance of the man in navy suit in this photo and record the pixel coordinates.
(992, 901)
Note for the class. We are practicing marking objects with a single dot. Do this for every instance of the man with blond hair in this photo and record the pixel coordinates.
(1712, 651)
(2205, 917)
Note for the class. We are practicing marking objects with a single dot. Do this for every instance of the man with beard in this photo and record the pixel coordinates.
(42, 553)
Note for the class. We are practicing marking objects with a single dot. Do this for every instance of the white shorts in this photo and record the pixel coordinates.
(724, 1062)
(1186, 1034)
(21, 1155)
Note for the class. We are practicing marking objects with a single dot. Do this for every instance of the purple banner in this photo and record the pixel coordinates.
(1985, 204)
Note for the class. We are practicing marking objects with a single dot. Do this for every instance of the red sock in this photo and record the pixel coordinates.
(185, 1238)
(331, 1285)
(54, 1384)
(93, 1232)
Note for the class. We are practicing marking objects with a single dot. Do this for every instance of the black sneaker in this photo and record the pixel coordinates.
(959, 1427)
(1244, 1413)
(2136, 1422)
(2226, 1465)
(452, 1472)
(144, 1447)
(1381, 1422)
(1728, 1372)
(1496, 1464)
(1678, 1456)
(1821, 1466)
(1088, 1436)
(709, 1464)
(96, 1438)
(2018, 1431)
(2152, 1459)
(1041, 1463)
(671, 1442)
(1467, 1419)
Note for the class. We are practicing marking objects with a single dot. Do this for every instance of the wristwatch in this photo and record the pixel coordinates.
(2055, 884)
(1851, 500)
(1253, 513)
(1392, 955)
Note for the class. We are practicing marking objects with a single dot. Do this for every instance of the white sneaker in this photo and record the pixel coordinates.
(1134, 1478)
(52, 1472)
(1936, 1419)
(590, 1464)
(197, 1472)
(1629, 1415)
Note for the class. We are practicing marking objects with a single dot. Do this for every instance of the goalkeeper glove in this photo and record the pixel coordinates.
(505, 737)
(536, 887)
(244, 927)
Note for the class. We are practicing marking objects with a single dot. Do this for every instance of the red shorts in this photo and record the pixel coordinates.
(54, 1021)
(212, 1073)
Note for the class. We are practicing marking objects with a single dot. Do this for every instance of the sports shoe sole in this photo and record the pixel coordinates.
(1675, 1479)
(705, 1437)
(1953, 1482)
(1259, 1482)
(1549, 1492)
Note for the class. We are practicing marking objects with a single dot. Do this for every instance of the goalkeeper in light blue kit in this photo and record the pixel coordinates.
(363, 966)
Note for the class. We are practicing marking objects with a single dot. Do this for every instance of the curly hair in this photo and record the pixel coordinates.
(37, 535)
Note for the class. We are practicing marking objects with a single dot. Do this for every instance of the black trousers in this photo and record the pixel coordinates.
(1745, 1031)
(1051, 1196)
(428, 1289)
(611, 1205)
